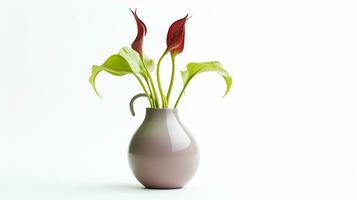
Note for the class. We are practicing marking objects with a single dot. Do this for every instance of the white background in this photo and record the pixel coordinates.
(287, 129)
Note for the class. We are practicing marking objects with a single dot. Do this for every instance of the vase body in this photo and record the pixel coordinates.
(162, 153)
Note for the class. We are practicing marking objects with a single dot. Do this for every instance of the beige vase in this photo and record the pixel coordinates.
(162, 152)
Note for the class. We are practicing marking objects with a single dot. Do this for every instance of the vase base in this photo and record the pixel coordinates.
(162, 188)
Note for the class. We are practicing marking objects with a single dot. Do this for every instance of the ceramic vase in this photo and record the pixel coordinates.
(162, 153)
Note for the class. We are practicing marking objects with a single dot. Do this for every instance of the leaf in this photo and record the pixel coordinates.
(184, 76)
(95, 70)
(196, 68)
(150, 63)
(134, 60)
(127, 61)
(132, 57)
(115, 65)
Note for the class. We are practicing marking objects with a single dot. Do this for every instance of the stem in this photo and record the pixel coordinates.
(181, 93)
(164, 102)
(152, 83)
(172, 79)
(150, 90)
(144, 88)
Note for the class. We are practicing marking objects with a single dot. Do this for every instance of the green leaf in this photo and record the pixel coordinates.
(115, 65)
(214, 66)
(184, 76)
(95, 70)
(132, 57)
(127, 61)
(150, 63)
(134, 60)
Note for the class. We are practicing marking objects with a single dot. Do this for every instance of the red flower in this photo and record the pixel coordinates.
(175, 39)
(137, 45)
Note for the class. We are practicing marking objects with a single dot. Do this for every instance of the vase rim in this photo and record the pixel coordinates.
(161, 109)
(167, 109)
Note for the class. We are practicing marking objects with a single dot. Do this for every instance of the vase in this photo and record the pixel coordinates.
(162, 153)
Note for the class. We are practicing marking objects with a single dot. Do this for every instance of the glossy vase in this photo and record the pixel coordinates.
(162, 152)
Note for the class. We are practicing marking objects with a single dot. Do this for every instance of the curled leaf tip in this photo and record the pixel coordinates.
(95, 70)
(229, 81)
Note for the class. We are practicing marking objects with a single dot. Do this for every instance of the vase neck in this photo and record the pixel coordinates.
(160, 112)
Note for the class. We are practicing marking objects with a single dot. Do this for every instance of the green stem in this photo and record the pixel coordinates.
(164, 102)
(172, 79)
(155, 97)
(145, 90)
(181, 93)
(150, 90)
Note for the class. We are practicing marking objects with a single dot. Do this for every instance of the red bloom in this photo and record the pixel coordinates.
(175, 39)
(137, 45)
